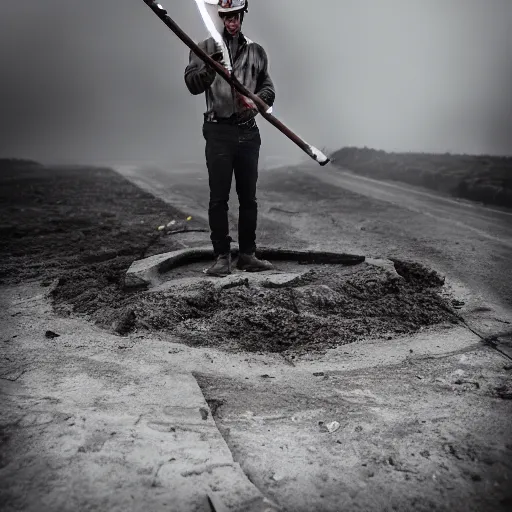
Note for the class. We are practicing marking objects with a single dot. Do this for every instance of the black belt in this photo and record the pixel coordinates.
(233, 121)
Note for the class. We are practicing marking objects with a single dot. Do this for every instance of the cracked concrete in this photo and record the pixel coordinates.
(120, 423)
(118, 431)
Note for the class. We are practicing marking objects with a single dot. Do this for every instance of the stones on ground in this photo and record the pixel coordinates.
(504, 392)
(387, 265)
(472, 383)
(318, 374)
(329, 427)
(450, 449)
(51, 335)
(135, 282)
(281, 280)
(278, 476)
(124, 322)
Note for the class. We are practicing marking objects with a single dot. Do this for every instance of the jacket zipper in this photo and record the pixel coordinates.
(233, 94)
(233, 72)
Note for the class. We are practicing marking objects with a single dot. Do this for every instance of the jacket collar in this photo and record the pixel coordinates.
(241, 38)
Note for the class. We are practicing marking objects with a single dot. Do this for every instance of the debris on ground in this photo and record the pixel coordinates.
(505, 391)
(330, 427)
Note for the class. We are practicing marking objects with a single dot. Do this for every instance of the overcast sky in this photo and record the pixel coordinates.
(102, 80)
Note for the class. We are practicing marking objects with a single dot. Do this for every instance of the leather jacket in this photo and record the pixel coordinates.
(250, 67)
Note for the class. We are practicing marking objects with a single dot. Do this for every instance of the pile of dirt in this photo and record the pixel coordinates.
(335, 305)
(79, 230)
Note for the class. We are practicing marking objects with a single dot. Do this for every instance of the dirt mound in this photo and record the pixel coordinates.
(335, 305)
(417, 274)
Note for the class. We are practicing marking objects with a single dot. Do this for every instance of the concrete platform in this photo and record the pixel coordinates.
(149, 272)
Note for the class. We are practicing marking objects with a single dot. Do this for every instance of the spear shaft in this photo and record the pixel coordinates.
(313, 152)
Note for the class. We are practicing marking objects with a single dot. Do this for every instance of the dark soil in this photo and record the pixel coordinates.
(482, 178)
(77, 230)
(332, 306)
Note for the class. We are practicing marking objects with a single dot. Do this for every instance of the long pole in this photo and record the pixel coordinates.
(313, 152)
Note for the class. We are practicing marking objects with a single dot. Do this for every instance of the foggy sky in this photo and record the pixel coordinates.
(102, 80)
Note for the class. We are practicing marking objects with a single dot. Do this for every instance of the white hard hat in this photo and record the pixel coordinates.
(232, 6)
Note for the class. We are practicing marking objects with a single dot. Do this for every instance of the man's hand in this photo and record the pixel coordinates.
(246, 108)
(210, 71)
(246, 103)
(218, 56)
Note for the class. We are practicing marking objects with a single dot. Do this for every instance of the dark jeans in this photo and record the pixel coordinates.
(232, 149)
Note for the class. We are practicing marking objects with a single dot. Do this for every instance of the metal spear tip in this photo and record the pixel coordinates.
(319, 156)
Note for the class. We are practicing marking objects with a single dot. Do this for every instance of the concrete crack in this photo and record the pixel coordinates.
(490, 341)
(154, 483)
(206, 469)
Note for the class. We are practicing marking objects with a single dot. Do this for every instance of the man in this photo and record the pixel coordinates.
(232, 136)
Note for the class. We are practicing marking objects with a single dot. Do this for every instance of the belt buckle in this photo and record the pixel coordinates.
(249, 123)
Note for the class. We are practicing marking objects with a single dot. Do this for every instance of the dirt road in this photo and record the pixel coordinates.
(333, 209)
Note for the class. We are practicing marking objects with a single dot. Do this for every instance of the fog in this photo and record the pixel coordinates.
(101, 81)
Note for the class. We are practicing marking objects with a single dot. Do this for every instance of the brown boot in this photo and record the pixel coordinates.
(250, 263)
(221, 267)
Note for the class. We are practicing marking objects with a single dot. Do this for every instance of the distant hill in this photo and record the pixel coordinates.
(11, 163)
(486, 179)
